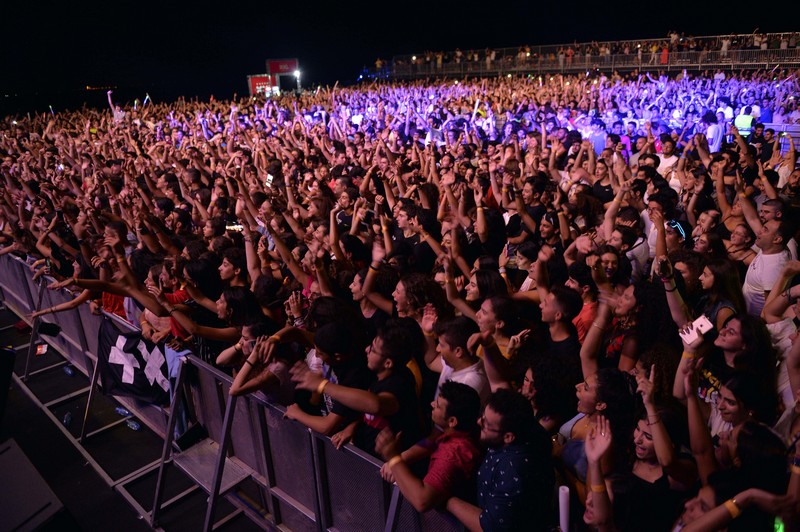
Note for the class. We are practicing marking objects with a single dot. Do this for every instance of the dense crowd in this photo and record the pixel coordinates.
(493, 285)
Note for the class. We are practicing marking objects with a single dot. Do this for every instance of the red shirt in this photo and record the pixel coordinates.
(114, 304)
(453, 462)
(176, 298)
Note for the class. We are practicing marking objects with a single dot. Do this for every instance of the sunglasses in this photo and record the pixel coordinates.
(677, 226)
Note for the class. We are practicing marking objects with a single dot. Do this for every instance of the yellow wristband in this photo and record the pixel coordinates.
(601, 488)
(688, 355)
(275, 338)
(394, 461)
(733, 508)
(322, 386)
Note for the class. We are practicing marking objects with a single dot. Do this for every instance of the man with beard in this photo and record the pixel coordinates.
(790, 193)
(516, 479)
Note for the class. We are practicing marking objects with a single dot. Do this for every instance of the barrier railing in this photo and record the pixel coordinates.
(549, 63)
(547, 56)
(303, 481)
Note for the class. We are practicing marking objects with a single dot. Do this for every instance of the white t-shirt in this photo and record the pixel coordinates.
(639, 255)
(474, 376)
(761, 276)
(714, 136)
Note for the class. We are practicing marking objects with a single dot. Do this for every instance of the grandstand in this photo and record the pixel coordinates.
(706, 53)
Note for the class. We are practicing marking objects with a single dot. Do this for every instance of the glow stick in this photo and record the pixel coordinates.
(475, 110)
(563, 508)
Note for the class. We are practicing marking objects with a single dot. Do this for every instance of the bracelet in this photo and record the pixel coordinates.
(788, 295)
(600, 488)
(688, 355)
(656, 422)
(732, 508)
(598, 326)
(670, 291)
(237, 346)
(394, 461)
(247, 361)
(274, 338)
(373, 268)
(322, 386)
(501, 270)
(429, 334)
(170, 311)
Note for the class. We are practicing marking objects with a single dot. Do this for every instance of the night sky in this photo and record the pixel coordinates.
(173, 48)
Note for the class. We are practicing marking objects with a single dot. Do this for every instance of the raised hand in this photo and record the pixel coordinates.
(304, 378)
(429, 319)
(645, 386)
(599, 440)
(517, 341)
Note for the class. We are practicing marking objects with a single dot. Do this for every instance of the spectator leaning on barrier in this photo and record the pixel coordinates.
(454, 454)
(515, 480)
(390, 401)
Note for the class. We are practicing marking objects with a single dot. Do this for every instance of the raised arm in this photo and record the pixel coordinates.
(699, 436)
(683, 471)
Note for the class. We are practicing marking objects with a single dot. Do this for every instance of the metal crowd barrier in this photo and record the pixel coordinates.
(302, 482)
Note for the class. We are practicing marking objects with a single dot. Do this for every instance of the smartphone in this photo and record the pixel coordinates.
(235, 227)
(662, 268)
(41, 349)
(699, 326)
(269, 180)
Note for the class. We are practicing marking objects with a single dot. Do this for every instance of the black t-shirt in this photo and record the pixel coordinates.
(374, 323)
(604, 193)
(536, 212)
(353, 374)
(402, 386)
(344, 220)
(568, 354)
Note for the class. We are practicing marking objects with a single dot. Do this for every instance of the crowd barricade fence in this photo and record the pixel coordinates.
(303, 482)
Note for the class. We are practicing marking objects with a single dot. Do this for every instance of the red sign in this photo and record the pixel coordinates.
(259, 84)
